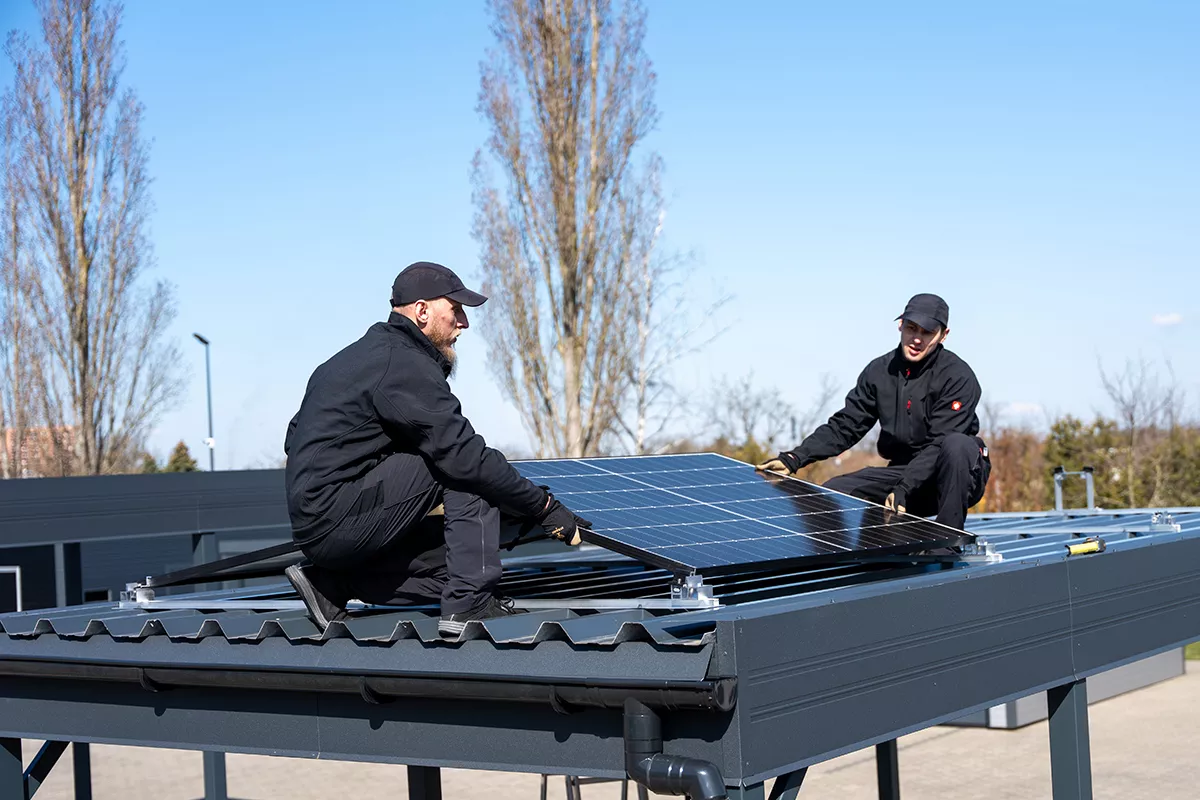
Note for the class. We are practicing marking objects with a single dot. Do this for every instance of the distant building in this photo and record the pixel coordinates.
(36, 456)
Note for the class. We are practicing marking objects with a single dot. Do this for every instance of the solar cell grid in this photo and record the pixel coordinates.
(705, 512)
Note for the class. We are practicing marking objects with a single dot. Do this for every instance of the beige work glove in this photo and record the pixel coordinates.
(776, 465)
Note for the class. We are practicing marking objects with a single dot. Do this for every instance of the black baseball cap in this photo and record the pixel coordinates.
(425, 280)
(927, 310)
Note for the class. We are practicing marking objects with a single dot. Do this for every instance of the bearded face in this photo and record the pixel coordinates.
(446, 322)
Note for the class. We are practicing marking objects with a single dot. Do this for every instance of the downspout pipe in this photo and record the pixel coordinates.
(646, 763)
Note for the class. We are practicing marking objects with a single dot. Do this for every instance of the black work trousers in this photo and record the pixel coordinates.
(957, 483)
(389, 550)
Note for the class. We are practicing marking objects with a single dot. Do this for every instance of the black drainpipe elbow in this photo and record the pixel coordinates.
(646, 763)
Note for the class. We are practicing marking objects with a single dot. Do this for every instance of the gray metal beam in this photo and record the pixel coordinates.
(424, 783)
(887, 770)
(755, 791)
(1070, 751)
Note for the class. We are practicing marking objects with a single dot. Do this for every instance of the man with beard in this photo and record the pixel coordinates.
(924, 398)
(393, 497)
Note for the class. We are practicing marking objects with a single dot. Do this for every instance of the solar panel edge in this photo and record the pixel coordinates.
(645, 556)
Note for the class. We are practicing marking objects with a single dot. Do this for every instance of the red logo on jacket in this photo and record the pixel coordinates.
(956, 405)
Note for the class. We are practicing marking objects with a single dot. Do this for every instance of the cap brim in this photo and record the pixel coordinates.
(928, 323)
(467, 297)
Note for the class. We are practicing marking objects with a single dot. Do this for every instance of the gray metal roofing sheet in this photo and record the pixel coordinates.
(560, 640)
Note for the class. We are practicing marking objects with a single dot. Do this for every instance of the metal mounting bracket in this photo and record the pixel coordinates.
(687, 593)
(981, 552)
(1163, 522)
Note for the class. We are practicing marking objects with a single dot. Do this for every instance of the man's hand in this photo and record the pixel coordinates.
(784, 464)
(890, 503)
(559, 522)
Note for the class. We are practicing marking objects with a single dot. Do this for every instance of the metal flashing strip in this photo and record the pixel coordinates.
(706, 695)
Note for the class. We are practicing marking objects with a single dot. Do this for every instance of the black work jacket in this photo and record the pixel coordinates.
(916, 405)
(388, 393)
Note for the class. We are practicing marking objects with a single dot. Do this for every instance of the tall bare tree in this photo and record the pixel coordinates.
(78, 190)
(1145, 406)
(752, 422)
(568, 93)
(15, 344)
(666, 325)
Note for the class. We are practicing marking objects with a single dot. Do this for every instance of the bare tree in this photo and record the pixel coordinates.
(569, 96)
(15, 344)
(80, 199)
(666, 327)
(1143, 404)
(750, 421)
(740, 411)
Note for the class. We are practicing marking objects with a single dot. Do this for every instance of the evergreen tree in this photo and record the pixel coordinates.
(181, 460)
(149, 465)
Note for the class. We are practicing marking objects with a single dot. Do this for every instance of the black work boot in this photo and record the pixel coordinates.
(318, 591)
(454, 624)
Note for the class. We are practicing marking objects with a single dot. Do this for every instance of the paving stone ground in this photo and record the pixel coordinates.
(1145, 744)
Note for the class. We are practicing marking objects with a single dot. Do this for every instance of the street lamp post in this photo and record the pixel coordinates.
(208, 380)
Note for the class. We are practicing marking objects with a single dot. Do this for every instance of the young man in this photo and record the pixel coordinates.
(392, 495)
(924, 398)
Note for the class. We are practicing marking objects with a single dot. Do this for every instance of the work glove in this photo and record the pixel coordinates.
(895, 501)
(559, 522)
(786, 463)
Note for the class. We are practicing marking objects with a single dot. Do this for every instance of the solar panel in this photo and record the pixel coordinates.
(708, 513)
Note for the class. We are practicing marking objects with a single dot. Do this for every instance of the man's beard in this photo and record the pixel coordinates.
(448, 351)
(445, 346)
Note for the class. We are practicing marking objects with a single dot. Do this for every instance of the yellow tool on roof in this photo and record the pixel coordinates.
(1092, 544)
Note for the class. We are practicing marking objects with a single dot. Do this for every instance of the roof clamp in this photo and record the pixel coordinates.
(692, 590)
(1163, 522)
(137, 593)
(980, 551)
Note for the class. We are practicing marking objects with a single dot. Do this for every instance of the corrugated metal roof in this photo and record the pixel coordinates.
(1040, 535)
(585, 573)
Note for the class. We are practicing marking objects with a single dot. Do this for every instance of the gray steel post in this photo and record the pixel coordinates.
(1090, 481)
(1070, 752)
(424, 783)
(787, 786)
(12, 771)
(1058, 489)
(68, 575)
(754, 792)
(215, 786)
(205, 550)
(68, 591)
(81, 761)
(887, 769)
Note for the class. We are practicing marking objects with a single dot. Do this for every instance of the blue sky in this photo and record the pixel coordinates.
(1035, 163)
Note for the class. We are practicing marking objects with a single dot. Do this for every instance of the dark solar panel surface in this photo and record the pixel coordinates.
(706, 513)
